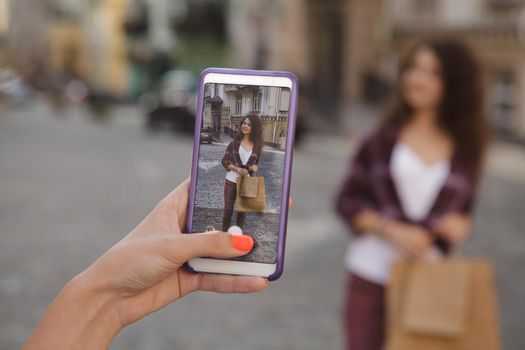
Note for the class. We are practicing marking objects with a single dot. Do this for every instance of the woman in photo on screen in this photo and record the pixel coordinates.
(241, 159)
(410, 189)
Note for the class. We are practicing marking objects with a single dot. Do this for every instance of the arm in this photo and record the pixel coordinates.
(79, 318)
(227, 158)
(352, 203)
(227, 161)
(451, 229)
(255, 166)
(414, 240)
(455, 226)
(139, 275)
(368, 220)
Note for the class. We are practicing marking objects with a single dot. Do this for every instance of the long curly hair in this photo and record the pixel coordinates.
(461, 111)
(256, 133)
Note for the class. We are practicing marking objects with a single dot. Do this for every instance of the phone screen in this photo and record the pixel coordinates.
(241, 162)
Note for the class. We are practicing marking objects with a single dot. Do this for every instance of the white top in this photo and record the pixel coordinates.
(417, 185)
(245, 155)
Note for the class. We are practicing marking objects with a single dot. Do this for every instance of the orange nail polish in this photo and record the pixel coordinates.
(243, 243)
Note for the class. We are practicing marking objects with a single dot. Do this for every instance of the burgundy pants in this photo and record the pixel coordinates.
(364, 314)
(230, 194)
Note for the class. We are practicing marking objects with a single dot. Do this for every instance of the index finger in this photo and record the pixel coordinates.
(231, 284)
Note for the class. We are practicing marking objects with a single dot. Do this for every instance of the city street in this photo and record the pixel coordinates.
(71, 187)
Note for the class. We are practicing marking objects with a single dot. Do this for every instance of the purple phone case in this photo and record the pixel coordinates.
(292, 117)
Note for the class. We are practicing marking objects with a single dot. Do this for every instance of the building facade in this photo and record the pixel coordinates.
(87, 41)
(226, 105)
(494, 28)
(347, 51)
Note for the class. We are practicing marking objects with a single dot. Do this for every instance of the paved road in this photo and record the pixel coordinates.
(70, 188)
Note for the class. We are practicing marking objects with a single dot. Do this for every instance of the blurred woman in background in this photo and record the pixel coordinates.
(409, 192)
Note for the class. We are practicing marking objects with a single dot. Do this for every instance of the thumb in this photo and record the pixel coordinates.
(214, 244)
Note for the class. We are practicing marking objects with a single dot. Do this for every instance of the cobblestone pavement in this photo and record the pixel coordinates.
(209, 199)
(71, 188)
(211, 174)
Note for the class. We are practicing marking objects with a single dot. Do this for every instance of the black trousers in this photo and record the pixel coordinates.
(230, 194)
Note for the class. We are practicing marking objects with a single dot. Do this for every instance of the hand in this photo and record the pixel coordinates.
(369, 221)
(454, 227)
(254, 168)
(412, 239)
(139, 275)
(242, 171)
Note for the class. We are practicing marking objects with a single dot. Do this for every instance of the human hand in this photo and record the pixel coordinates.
(139, 275)
(454, 227)
(413, 240)
(242, 171)
(370, 221)
(254, 168)
(146, 264)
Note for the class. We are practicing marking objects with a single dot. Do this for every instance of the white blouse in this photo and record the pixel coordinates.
(245, 155)
(417, 185)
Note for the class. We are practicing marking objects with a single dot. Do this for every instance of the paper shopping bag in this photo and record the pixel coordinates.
(251, 204)
(444, 305)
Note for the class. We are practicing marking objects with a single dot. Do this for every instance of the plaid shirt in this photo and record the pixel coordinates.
(369, 185)
(231, 156)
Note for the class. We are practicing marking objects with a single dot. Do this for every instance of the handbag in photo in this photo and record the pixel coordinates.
(251, 204)
(249, 186)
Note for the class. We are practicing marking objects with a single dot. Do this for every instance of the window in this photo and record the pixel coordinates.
(285, 100)
(503, 97)
(256, 102)
(238, 104)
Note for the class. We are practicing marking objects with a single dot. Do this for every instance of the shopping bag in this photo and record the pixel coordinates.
(249, 186)
(449, 304)
(251, 204)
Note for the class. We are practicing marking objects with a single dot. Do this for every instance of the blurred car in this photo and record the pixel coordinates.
(13, 89)
(206, 136)
(173, 103)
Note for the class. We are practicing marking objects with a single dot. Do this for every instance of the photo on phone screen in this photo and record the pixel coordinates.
(241, 164)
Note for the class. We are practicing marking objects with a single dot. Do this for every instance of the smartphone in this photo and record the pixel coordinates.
(242, 162)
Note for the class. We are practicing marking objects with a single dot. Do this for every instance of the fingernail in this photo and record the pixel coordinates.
(243, 243)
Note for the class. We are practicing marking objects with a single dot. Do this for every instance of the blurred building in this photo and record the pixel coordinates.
(495, 28)
(303, 36)
(4, 16)
(347, 51)
(344, 51)
(87, 41)
(4, 26)
(165, 35)
(23, 28)
(226, 105)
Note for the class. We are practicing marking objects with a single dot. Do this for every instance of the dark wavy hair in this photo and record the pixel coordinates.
(461, 111)
(256, 133)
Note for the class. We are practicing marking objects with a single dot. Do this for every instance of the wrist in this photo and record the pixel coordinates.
(80, 317)
(390, 230)
(97, 307)
(379, 225)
